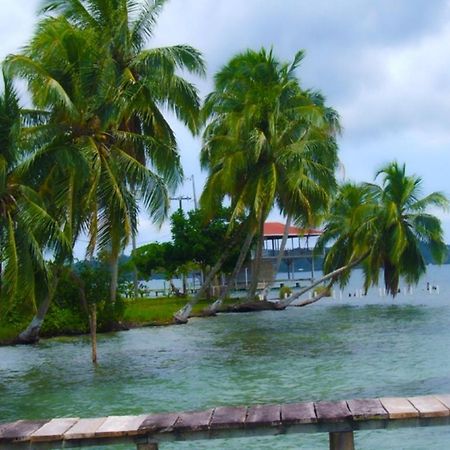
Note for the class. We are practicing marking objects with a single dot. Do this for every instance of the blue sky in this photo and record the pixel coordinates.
(383, 65)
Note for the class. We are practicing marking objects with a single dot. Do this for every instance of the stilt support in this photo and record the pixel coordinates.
(152, 446)
(342, 441)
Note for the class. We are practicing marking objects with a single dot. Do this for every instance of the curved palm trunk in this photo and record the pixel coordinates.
(231, 279)
(257, 263)
(283, 303)
(182, 315)
(280, 255)
(31, 334)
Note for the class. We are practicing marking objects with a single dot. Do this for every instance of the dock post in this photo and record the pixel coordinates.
(342, 441)
(152, 446)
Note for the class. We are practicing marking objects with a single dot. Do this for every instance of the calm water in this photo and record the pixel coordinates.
(332, 350)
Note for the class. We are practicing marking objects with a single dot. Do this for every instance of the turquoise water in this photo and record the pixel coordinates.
(335, 349)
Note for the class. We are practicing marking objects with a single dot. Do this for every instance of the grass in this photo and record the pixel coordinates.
(160, 310)
(8, 332)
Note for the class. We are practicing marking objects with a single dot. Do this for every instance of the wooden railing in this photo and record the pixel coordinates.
(340, 419)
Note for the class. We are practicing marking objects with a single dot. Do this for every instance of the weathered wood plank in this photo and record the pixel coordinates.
(20, 430)
(159, 422)
(193, 421)
(429, 406)
(53, 430)
(444, 399)
(120, 426)
(298, 413)
(342, 441)
(367, 409)
(332, 411)
(399, 408)
(260, 415)
(84, 428)
(228, 417)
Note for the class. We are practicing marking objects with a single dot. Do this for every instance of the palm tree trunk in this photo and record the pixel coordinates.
(256, 269)
(182, 315)
(279, 257)
(31, 334)
(242, 255)
(286, 302)
(135, 271)
(114, 276)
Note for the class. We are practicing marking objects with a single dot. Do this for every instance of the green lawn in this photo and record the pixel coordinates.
(159, 310)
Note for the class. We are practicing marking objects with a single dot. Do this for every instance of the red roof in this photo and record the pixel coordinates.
(276, 229)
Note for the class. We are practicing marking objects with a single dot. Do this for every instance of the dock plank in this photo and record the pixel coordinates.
(228, 417)
(115, 426)
(399, 408)
(84, 428)
(332, 411)
(20, 430)
(444, 399)
(162, 423)
(193, 421)
(429, 406)
(263, 415)
(53, 430)
(297, 413)
(367, 409)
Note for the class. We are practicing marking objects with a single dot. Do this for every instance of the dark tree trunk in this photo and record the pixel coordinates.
(256, 269)
(31, 334)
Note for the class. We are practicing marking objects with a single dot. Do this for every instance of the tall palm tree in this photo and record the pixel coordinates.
(381, 227)
(89, 68)
(267, 141)
(27, 229)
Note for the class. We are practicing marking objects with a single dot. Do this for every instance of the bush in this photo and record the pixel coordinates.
(285, 291)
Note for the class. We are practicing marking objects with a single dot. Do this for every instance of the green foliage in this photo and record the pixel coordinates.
(383, 226)
(197, 241)
(285, 291)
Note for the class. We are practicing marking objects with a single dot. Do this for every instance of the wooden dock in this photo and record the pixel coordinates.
(338, 418)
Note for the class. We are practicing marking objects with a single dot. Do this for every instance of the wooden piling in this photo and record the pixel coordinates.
(342, 441)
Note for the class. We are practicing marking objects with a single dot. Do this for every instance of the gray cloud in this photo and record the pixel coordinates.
(383, 64)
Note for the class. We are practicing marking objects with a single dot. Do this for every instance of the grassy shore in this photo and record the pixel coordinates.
(160, 311)
(138, 313)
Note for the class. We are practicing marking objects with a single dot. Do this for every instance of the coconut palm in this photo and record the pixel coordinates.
(106, 93)
(144, 80)
(26, 228)
(267, 141)
(381, 227)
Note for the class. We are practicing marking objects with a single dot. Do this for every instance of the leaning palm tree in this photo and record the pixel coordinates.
(266, 141)
(27, 229)
(381, 227)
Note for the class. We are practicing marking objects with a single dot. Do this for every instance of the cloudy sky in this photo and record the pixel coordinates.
(383, 64)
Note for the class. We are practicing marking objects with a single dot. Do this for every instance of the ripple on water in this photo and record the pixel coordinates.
(328, 351)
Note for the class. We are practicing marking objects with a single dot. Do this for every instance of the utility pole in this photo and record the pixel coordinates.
(180, 201)
(193, 190)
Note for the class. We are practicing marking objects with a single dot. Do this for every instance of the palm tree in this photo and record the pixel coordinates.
(27, 229)
(381, 227)
(105, 95)
(144, 80)
(267, 141)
